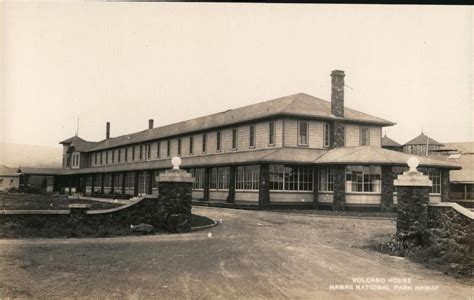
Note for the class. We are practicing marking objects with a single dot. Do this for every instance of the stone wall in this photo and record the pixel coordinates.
(386, 201)
(93, 222)
(339, 196)
(451, 237)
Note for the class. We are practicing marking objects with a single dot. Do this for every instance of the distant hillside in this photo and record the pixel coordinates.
(15, 155)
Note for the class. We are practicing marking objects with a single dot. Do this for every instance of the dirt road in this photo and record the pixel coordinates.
(251, 254)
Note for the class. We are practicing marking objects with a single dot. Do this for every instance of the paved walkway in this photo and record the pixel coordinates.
(251, 254)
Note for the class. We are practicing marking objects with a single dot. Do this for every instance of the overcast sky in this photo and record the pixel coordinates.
(128, 62)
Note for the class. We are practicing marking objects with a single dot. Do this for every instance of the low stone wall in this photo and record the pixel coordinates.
(82, 222)
(451, 236)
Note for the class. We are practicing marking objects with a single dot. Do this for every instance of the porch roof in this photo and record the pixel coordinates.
(377, 155)
(349, 155)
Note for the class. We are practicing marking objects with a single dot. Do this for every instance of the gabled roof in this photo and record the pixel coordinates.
(376, 155)
(301, 105)
(79, 144)
(422, 139)
(388, 142)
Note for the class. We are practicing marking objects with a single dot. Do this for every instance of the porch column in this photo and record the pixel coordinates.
(386, 200)
(445, 185)
(112, 184)
(150, 182)
(231, 195)
(102, 183)
(123, 182)
(207, 172)
(339, 202)
(93, 184)
(315, 187)
(69, 184)
(264, 186)
(135, 184)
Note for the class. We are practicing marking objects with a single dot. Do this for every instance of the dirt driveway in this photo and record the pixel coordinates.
(250, 255)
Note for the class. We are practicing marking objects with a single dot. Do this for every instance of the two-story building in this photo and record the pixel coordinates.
(294, 150)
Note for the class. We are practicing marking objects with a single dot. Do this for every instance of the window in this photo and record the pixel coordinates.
(126, 154)
(130, 180)
(327, 135)
(326, 180)
(148, 151)
(234, 138)
(113, 156)
(271, 133)
(302, 133)
(198, 175)
(108, 180)
(158, 146)
(363, 179)
(364, 136)
(218, 141)
(168, 148)
(204, 143)
(118, 182)
(140, 155)
(247, 177)
(179, 146)
(106, 157)
(133, 153)
(252, 136)
(191, 145)
(219, 178)
(291, 178)
(119, 156)
(101, 156)
(435, 177)
(95, 158)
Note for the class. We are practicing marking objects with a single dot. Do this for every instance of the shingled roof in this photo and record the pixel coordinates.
(378, 156)
(301, 105)
(422, 139)
(388, 142)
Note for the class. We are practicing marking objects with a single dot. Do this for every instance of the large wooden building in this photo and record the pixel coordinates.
(294, 150)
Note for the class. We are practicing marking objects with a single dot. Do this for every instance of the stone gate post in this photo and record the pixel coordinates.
(412, 210)
(175, 192)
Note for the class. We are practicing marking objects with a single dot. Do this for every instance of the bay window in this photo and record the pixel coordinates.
(363, 179)
(198, 175)
(291, 178)
(435, 176)
(219, 178)
(326, 180)
(247, 177)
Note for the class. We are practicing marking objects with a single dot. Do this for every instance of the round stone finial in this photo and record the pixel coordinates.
(176, 162)
(413, 163)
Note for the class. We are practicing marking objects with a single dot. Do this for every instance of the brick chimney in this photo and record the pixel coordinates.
(107, 130)
(337, 93)
(150, 124)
